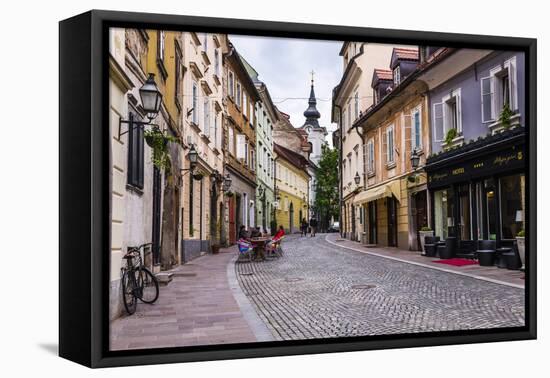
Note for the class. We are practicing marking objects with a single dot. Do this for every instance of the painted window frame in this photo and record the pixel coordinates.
(494, 81)
(390, 147)
(194, 102)
(416, 134)
(397, 75)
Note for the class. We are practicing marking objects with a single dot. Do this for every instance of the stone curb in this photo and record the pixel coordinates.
(426, 265)
(257, 326)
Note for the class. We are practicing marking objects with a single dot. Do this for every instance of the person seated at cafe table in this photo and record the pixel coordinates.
(243, 234)
(270, 245)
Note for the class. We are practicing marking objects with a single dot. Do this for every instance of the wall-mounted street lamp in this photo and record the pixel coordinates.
(357, 178)
(415, 159)
(226, 183)
(193, 157)
(151, 99)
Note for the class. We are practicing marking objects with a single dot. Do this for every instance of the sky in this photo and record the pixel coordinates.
(285, 66)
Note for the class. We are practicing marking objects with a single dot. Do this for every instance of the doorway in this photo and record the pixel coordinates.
(157, 194)
(392, 221)
(291, 218)
(371, 209)
(420, 214)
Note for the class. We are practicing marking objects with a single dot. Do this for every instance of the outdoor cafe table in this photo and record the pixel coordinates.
(259, 248)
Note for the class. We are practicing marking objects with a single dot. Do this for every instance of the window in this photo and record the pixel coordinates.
(512, 201)
(245, 103)
(246, 156)
(231, 141)
(397, 75)
(242, 148)
(356, 105)
(178, 77)
(252, 160)
(206, 110)
(375, 96)
(195, 100)
(217, 62)
(498, 89)
(239, 95)
(205, 41)
(368, 153)
(216, 130)
(416, 130)
(135, 155)
(390, 145)
(161, 45)
(231, 85)
(349, 117)
(447, 115)
(343, 123)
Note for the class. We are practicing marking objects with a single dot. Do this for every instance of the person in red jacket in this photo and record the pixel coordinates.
(280, 233)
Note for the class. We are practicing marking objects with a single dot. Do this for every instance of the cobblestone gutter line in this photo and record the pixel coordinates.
(256, 324)
(499, 282)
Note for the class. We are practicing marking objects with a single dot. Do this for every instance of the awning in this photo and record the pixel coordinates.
(387, 190)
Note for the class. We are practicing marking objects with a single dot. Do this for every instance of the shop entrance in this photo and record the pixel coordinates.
(392, 221)
(372, 237)
(420, 215)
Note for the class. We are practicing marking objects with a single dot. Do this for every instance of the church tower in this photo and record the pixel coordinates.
(315, 133)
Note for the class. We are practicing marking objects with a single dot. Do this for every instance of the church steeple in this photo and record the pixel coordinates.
(312, 114)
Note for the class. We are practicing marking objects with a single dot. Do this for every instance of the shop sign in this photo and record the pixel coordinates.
(484, 166)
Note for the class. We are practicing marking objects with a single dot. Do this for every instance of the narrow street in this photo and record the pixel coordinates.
(319, 290)
(316, 290)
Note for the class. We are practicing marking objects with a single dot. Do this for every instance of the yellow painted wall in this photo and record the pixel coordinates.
(291, 190)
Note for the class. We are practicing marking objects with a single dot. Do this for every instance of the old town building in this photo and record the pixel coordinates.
(239, 127)
(476, 174)
(394, 198)
(351, 98)
(292, 183)
(202, 116)
(138, 186)
(266, 116)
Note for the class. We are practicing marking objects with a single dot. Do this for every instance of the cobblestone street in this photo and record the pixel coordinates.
(321, 290)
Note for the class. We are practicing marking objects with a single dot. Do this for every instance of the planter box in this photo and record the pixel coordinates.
(423, 234)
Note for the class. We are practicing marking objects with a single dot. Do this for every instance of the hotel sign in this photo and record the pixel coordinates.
(467, 169)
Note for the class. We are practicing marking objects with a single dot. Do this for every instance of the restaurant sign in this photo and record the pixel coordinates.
(465, 170)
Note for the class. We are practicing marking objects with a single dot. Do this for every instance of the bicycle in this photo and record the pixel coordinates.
(137, 281)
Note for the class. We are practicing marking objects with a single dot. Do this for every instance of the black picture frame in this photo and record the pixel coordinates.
(84, 197)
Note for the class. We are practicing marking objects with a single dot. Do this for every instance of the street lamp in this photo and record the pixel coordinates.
(226, 183)
(151, 99)
(415, 159)
(193, 157)
(357, 178)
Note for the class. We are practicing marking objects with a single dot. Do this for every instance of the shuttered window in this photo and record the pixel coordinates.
(206, 110)
(439, 131)
(487, 99)
(241, 142)
(135, 154)
(416, 130)
(195, 99)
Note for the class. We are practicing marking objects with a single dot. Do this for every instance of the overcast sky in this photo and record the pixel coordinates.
(284, 65)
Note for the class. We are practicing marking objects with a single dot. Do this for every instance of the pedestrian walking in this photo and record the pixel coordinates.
(303, 227)
(313, 226)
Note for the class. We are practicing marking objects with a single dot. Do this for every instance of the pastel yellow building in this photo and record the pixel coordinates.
(291, 188)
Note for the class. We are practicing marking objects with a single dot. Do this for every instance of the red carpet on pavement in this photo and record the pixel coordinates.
(456, 262)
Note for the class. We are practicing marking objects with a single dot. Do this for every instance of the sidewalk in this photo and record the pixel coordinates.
(202, 305)
(491, 274)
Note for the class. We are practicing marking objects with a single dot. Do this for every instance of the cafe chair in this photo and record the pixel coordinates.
(245, 250)
(511, 258)
(274, 248)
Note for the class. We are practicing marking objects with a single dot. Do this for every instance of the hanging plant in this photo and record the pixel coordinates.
(505, 117)
(158, 141)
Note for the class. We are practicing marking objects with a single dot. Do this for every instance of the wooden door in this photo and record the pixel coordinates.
(421, 215)
(232, 223)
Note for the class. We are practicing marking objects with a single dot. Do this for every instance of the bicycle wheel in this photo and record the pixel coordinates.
(149, 286)
(128, 292)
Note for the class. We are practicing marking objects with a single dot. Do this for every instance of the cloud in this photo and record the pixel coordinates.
(284, 65)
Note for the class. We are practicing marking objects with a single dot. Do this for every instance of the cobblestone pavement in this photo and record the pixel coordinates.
(319, 290)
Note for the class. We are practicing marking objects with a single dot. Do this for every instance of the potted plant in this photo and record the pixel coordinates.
(450, 136)
(520, 239)
(505, 117)
(158, 141)
(424, 231)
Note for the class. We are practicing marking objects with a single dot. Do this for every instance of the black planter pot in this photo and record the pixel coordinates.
(430, 250)
(486, 258)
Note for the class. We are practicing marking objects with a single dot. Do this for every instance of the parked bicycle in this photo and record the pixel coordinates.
(137, 281)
